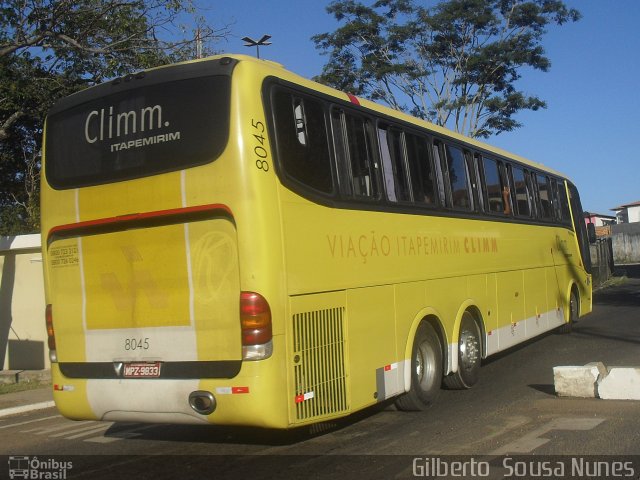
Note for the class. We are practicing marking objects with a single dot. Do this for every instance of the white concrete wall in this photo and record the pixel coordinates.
(23, 336)
(634, 214)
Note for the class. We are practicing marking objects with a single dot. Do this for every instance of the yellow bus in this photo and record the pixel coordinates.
(229, 243)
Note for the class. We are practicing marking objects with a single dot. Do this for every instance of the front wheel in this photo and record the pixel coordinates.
(573, 313)
(469, 355)
(426, 370)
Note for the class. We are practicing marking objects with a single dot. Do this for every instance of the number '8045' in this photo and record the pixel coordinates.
(258, 150)
(136, 344)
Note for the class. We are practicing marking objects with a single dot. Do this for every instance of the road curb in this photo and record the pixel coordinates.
(594, 380)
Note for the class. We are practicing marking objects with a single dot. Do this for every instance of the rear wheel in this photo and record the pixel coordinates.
(426, 370)
(469, 355)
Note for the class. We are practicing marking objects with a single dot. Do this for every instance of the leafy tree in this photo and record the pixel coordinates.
(52, 48)
(456, 63)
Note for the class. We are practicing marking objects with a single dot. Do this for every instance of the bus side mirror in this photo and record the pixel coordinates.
(591, 232)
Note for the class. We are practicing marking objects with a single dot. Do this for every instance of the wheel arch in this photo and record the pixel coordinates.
(572, 288)
(432, 316)
(470, 306)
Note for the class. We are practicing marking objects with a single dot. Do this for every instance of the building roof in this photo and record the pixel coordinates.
(627, 205)
(600, 215)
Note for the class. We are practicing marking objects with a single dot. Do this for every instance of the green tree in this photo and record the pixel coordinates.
(52, 48)
(456, 63)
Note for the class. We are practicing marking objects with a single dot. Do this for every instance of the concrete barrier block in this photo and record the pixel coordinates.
(578, 381)
(621, 383)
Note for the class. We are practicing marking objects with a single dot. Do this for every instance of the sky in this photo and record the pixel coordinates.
(592, 120)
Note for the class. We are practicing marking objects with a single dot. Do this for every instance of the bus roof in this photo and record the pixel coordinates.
(272, 68)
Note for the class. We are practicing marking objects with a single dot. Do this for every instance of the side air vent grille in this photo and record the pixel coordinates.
(319, 365)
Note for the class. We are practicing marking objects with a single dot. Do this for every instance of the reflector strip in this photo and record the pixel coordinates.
(64, 388)
(231, 390)
(390, 380)
(80, 228)
(302, 397)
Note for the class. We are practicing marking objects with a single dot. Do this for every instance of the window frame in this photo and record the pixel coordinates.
(281, 167)
(446, 177)
(344, 168)
(498, 163)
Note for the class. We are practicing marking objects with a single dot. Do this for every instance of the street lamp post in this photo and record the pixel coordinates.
(250, 42)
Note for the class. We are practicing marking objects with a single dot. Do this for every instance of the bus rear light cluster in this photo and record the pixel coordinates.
(255, 321)
(51, 335)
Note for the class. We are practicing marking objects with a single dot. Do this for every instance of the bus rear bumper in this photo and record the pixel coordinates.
(243, 400)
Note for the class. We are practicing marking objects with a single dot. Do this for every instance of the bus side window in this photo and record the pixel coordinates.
(521, 192)
(493, 187)
(532, 193)
(544, 196)
(458, 178)
(421, 169)
(437, 161)
(507, 187)
(354, 155)
(555, 201)
(301, 138)
(394, 164)
(564, 202)
(473, 164)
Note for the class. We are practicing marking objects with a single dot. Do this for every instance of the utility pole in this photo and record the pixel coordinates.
(198, 43)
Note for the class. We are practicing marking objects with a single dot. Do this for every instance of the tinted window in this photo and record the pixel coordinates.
(581, 228)
(354, 155)
(521, 191)
(457, 170)
(544, 195)
(138, 132)
(557, 213)
(421, 169)
(394, 165)
(564, 202)
(493, 186)
(437, 162)
(301, 136)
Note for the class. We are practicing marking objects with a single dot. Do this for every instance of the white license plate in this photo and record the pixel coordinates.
(142, 370)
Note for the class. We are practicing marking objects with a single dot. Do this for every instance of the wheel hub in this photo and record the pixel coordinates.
(469, 350)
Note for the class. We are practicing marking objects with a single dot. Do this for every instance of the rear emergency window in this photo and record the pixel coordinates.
(138, 132)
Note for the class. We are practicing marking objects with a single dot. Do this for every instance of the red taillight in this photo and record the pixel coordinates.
(51, 336)
(255, 319)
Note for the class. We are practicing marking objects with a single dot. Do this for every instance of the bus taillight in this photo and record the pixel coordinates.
(255, 321)
(51, 336)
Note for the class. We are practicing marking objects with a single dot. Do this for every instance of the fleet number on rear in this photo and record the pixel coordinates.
(136, 344)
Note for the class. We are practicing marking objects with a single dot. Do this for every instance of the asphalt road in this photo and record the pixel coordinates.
(513, 410)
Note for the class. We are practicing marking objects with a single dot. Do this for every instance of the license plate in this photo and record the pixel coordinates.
(142, 370)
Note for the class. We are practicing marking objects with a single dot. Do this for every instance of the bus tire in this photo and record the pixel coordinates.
(469, 356)
(426, 370)
(573, 313)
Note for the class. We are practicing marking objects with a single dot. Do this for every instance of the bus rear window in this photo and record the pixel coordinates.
(138, 132)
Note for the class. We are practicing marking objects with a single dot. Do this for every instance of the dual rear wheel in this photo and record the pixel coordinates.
(427, 364)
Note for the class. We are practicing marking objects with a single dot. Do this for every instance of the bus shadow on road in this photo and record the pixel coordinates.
(238, 435)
